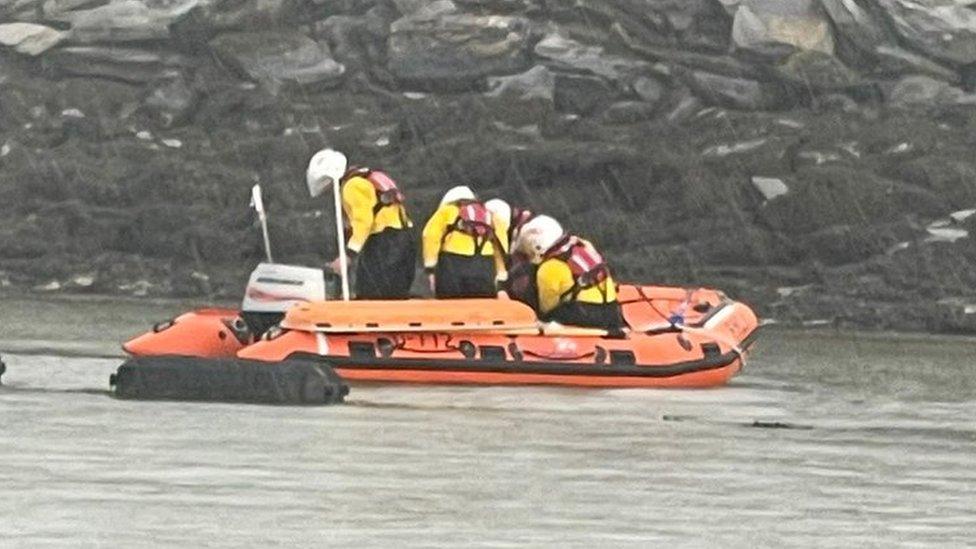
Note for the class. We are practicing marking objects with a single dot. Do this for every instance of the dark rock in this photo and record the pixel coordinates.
(171, 100)
(818, 72)
(942, 29)
(737, 93)
(947, 176)
(837, 102)
(582, 94)
(857, 23)
(566, 53)
(125, 64)
(840, 244)
(628, 112)
(425, 8)
(456, 51)
(496, 6)
(344, 34)
(522, 99)
(685, 108)
(923, 90)
(254, 14)
(278, 57)
(649, 90)
(823, 196)
(535, 83)
(893, 61)
(124, 21)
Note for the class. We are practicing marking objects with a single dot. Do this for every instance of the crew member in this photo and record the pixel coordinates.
(464, 247)
(379, 231)
(573, 280)
(520, 282)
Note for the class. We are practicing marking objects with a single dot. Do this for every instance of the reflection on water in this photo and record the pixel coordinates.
(827, 441)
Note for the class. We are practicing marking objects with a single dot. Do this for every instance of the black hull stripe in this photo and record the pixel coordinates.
(545, 368)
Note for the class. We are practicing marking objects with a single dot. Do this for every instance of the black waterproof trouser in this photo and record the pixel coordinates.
(387, 265)
(606, 316)
(464, 276)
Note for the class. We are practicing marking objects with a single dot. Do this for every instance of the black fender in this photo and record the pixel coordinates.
(291, 381)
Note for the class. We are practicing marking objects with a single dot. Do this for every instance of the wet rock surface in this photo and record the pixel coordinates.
(809, 156)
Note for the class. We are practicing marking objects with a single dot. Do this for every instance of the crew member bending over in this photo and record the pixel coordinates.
(520, 283)
(574, 283)
(464, 247)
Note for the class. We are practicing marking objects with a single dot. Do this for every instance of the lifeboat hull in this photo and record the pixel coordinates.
(680, 339)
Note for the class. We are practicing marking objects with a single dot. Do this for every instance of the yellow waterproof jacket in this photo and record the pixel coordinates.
(555, 282)
(359, 204)
(440, 237)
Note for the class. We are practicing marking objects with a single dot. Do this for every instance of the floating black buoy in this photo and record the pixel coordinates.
(292, 381)
(3, 368)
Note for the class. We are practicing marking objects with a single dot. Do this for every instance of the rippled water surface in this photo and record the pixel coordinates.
(826, 439)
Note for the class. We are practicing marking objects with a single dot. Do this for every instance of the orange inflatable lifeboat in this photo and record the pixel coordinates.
(677, 338)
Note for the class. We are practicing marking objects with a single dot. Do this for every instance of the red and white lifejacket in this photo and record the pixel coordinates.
(588, 267)
(474, 220)
(520, 216)
(387, 192)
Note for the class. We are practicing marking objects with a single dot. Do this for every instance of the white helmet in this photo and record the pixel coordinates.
(499, 209)
(461, 192)
(538, 236)
(325, 168)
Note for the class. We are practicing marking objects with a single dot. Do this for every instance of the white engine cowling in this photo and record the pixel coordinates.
(275, 288)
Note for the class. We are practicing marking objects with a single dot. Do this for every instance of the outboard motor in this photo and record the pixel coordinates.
(273, 289)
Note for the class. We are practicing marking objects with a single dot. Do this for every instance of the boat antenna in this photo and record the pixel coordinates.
(258, 204)
(341, 238)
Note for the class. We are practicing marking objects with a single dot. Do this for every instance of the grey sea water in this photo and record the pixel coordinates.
(827, 439)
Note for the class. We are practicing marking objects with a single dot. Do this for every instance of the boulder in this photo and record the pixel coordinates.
(170, 100)
(456, 51)
(702, 24)
(582, 94)
(924, 91)
(736, 93)
(126, 64)
(523, 98)
(251, 14)
(106, 103)
(358, 42)
(943, 29)
(30, 39)
(894, 61)
(566, 53)
(856, 24)
(56, 8)
(343, 33)
(628, 112)
(951, 177)
(649, 90)
(125, 21)
(779, 27)
(840, 244)
(278, 57)
(818, 71)
(829, 195)
(425, 8)
(535, 83)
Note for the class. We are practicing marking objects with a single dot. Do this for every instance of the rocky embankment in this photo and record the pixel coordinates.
(814, 157)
